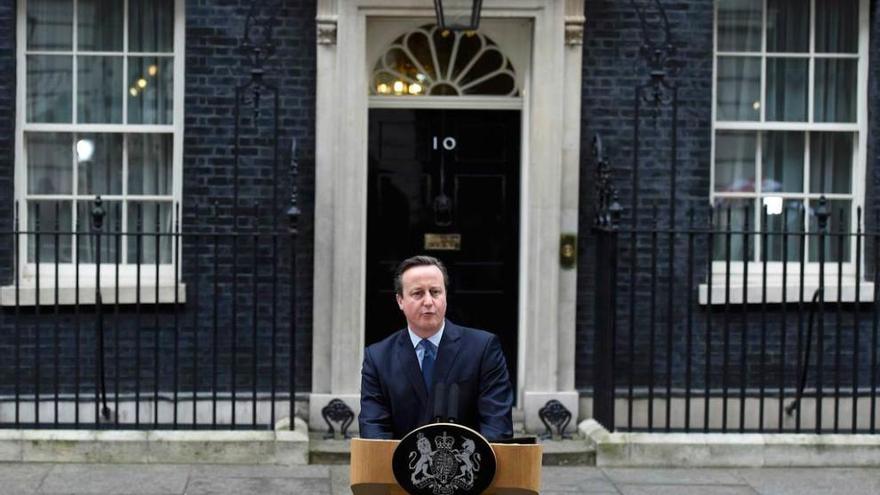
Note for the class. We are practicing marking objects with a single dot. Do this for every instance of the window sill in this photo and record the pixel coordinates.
(67, 295)
(755, 293)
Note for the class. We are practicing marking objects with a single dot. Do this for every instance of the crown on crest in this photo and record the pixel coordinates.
(444, 441)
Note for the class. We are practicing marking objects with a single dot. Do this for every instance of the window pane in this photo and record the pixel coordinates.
(837, 26)
(788, 26)
(87, 241)
(49, 88)
(739, 25)
(836, 243)
(150, 90)
(835, 90)
(151, 25)
(99, 90)
(99, 162)
(790, 217)
(46, 216)
(99, 25)
(831, 159)
(786, 89)
(735, 161)
(730, 213)
(149, 164)
(783, 162)
(49, 24)
(739, 88)
(49, 163)
(143, 218)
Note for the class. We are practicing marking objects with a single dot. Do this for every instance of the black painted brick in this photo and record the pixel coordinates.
(214, 66)
(611, 70)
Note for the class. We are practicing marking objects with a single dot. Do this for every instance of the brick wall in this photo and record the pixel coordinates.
(7, 127)
(62, 349)
(214, 66)
(612, 69)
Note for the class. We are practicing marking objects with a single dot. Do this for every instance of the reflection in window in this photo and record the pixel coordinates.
(735, 161)
(776, 152)
(103, 62)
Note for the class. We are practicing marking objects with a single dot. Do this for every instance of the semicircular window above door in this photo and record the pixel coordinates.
(429, 62)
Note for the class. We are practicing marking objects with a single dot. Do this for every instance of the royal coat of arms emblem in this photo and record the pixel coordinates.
(444, 459)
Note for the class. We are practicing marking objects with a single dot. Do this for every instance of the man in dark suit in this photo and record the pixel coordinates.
(400, 373)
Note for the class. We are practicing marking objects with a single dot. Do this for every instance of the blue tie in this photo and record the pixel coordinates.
(428, 362)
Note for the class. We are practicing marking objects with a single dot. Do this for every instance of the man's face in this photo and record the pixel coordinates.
(424, 299)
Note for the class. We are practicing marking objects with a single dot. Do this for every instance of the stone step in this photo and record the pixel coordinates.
(328, 451)
(567, 452)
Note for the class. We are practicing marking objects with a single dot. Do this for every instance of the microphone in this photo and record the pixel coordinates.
(439, 401)
(452, 411)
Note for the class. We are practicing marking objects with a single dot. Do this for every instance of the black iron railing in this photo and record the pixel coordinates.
(723, 325)
(737, 316)
(195, 329)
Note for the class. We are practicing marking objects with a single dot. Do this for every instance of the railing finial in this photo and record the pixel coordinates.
(608, 208)
(823, 213)
(98, 213)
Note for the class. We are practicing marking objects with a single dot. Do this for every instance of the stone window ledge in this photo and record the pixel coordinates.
(67, 295)
(755, 292)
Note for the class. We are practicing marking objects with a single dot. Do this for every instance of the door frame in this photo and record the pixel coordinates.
(549, 194)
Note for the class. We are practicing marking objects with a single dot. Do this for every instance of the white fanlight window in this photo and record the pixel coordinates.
(99, 114)
(430, 62)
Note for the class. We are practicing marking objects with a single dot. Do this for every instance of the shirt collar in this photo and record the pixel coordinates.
(434, 339)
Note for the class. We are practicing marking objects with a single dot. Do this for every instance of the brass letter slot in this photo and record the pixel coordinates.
(442, 242)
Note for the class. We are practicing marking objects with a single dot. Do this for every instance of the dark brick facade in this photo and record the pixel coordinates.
(612, 69)
(215, 65)
(7, 126)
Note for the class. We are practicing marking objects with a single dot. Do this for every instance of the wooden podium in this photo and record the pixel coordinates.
(518, 468)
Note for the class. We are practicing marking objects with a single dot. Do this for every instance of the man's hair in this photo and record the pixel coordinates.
(414, 261)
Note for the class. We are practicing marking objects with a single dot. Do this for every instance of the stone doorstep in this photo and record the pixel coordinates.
(281, 446)
(730, 450)
(567, 452)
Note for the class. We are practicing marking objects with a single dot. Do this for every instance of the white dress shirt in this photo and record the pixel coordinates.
(434, 339)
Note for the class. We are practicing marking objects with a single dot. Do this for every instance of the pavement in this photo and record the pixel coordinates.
(143, 479)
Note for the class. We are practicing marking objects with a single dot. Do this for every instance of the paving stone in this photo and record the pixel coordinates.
(340, 480)
(685, 490)
(128, 479)
(18, 479)
(575, 480)
(261, 486)
(570, 452)
(262, 471)
(554, 492)
(674, 476)
(809, 481)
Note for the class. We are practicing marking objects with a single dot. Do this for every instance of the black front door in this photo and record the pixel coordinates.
(446, 183)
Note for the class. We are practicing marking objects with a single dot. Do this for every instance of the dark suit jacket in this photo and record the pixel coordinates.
(394, 400)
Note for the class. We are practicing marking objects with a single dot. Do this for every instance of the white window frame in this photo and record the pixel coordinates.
(774, 293)
(168, 274)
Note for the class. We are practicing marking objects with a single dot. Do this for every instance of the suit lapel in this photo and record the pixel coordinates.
(410, 364)
(448, 352)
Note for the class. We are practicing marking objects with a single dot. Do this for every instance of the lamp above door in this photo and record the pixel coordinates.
(458, 15)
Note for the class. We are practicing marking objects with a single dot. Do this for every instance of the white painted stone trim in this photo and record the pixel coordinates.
(729, 450)
(755, 292)
(67, 295)
(549, 197)
(282, 446)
